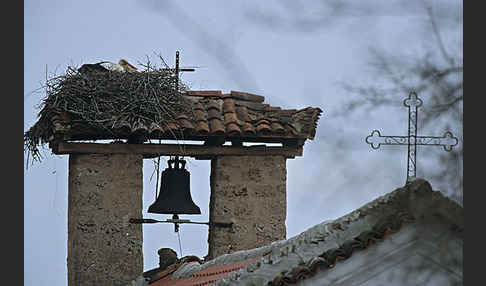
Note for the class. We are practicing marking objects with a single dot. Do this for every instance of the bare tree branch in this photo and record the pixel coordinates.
(437, 35)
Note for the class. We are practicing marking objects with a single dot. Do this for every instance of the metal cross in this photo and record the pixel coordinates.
(177, 70)
(412, 140)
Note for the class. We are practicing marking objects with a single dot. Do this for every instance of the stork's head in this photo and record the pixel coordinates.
(126, 65)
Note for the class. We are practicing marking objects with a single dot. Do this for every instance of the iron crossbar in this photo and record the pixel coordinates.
(177, 221)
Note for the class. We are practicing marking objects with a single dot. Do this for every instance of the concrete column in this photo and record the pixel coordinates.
(251, 192)
(105, 191)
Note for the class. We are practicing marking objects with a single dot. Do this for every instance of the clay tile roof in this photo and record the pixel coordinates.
(236, 114)
(203, 277)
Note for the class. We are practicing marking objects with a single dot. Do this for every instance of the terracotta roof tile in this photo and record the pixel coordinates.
(160, 274)
(232, 129)
(263, 121)
(206, 276)
(200, 115)
(230, 117)
(251, 105)
(248, 129)
(214, 104)
(263, 128)
(202, 128)
(273, 108)
(184, 122)
(205, 93)
(198, 106)
(214, 113)
(171, 127)
(242, 113)
(228, 105)
(216, 127)
(287, 112)
(247, 96)
(277, 128)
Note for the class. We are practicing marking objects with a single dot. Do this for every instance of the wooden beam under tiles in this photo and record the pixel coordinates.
(155, 150)
(259, 138)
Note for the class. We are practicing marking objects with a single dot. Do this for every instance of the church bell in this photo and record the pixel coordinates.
(175, 194)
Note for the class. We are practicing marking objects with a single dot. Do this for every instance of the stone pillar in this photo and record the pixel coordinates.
(251, 192)
(105, 191)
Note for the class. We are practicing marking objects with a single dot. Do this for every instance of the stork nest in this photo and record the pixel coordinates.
(100, 100)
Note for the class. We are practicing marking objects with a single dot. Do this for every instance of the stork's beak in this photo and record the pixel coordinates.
(131, 66)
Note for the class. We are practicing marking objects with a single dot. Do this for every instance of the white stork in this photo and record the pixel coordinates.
(127, 66)
(121, 66)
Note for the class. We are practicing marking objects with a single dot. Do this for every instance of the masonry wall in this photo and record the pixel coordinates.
(251, 192)
(105, 191)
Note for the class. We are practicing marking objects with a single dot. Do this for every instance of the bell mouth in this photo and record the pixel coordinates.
(191, 210)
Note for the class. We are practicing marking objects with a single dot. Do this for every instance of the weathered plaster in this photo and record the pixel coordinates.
(249, 191)
(105, 191)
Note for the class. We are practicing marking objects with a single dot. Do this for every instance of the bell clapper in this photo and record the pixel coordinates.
(176, 224)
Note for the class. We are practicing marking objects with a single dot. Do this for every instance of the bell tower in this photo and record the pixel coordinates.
(248, 183)
(248, 177)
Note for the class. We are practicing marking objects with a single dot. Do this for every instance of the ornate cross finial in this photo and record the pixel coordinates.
(412, 140)
(412, 100)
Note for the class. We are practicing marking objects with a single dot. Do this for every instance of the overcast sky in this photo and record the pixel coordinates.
(294, 53)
